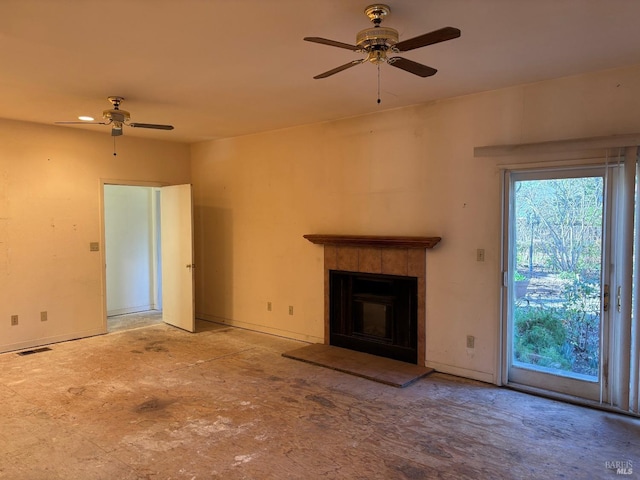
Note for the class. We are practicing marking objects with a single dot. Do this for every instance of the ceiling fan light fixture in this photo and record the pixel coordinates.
(116, 129)
(377, 56)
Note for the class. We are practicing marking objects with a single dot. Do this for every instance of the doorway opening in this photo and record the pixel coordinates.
(132, 256)
(148, 254)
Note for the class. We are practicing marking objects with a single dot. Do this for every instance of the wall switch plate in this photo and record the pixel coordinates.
(43, 316)
(290, 310)
(269, 306)
(94, 247)
(14, 320)
(480, 255)
(471, 340)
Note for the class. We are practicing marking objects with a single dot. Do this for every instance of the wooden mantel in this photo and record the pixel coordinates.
(373, 241)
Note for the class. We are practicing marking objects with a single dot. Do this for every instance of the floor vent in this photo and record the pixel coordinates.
(35, 350)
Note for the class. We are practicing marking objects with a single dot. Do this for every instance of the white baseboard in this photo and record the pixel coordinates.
(125, 311)
(261, 328)
(39, 342)
(463, 372)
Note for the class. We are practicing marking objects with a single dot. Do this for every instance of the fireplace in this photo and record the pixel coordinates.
(374, 313)
(364, 258)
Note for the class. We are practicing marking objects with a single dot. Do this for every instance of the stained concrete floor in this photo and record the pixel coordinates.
(159, 403)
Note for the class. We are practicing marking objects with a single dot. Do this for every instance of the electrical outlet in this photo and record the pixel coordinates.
(480, 255)
(269, 306)
(290, 310)
(471, 340)
(94, 247)
(43, 316)
(14, 320)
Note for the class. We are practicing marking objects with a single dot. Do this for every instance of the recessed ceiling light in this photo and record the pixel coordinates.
(85, 118)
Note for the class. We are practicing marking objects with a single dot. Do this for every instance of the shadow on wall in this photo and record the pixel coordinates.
(213, 231)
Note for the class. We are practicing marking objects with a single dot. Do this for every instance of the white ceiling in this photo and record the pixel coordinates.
(222, 68)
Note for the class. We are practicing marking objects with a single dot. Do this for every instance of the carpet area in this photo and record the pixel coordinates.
(379, 369)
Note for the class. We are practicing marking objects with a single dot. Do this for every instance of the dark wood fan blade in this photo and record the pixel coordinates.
(412, 67)
(331, 43)
(151, 125)
(339, 69)
(437, 36)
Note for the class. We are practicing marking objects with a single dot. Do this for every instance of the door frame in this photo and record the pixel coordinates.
(103, 258)
(602, 393)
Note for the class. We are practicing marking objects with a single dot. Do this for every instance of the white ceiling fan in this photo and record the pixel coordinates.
(118, 118)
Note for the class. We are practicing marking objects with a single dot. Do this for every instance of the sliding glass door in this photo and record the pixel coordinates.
(557, 277)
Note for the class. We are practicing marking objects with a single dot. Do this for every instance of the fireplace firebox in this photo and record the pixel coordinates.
(380, 255)
(374, 313)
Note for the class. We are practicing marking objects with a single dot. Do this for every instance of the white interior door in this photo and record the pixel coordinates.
(177, 256)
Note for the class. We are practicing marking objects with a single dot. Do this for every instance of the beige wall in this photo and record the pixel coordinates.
(50, 210)
(409, 171)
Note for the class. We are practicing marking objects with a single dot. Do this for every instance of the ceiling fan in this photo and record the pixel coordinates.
(118, 118)
(378, 42)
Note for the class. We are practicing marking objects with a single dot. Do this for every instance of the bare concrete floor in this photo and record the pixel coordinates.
(118, 323)
(160, 403)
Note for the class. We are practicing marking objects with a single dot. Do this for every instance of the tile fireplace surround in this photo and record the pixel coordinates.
(402, 256)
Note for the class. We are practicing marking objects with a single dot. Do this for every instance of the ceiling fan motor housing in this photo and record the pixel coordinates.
(377, 41)
(116, 115)
(377, 36)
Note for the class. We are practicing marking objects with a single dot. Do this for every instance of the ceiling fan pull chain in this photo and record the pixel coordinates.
(114, 147)
(378, 83)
